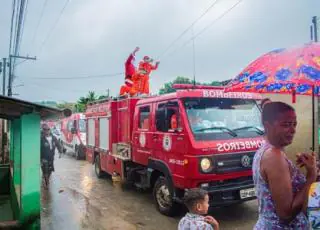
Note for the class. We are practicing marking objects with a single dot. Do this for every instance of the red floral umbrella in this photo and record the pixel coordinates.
(282, 71)
(295, 70)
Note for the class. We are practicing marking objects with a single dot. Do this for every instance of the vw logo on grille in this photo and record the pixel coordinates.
(245, 161)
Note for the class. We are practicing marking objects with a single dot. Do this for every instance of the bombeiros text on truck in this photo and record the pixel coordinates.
(196, 137)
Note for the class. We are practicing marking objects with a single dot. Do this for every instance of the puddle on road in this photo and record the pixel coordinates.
(87, 202)
(71, 209)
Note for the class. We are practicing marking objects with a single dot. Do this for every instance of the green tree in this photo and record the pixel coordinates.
(82, 102)
(48, 103)
(67, 105)
(91, 96)
(167, 88)
(102, 97)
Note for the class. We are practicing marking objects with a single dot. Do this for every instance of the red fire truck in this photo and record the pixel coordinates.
(196, 137)
(73, 134)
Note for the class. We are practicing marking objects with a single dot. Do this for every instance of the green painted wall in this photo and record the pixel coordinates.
(30, 161)
(16, 151)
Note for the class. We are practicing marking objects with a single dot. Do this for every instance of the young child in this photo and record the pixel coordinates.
(264, 102)
(197, 201)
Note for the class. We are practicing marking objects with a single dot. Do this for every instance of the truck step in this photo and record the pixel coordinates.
(139, 186)
(143, 181)
(142, 172)
(121, 157)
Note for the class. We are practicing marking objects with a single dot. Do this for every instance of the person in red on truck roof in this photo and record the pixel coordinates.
(145, 68)
(129, 66)
(127, 88)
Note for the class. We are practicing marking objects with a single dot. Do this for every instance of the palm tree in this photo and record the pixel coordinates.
(91, 96)
(83, 101)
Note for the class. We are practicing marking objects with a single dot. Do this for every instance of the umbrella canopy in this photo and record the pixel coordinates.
(282, 71)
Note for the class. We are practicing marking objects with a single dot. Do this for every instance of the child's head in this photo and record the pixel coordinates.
(197, 201)
(264, 102)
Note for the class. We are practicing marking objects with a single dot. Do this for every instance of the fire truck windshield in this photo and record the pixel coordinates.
(223, 118)
(82, 125)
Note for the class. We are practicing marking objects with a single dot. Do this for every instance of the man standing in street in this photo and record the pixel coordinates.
(49, 143)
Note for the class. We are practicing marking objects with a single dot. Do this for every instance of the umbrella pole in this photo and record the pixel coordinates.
(313, 118)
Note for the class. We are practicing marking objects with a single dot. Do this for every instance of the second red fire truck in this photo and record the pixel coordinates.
(73, 135)
(196, 137)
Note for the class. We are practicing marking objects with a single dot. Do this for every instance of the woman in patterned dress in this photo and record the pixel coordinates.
(282, 190)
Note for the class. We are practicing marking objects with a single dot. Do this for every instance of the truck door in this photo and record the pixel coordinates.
(142, 144)
(169, 138)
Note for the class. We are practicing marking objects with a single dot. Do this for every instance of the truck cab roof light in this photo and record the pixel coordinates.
(190, 86)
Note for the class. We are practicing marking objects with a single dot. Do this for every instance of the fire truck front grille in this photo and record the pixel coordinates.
(231, 183)
(234, 162)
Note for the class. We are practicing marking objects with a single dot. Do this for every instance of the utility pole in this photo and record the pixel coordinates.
(3, 66)
(0, 73)
(311, 32)
(315, 28)
(11, 68)
(4, 63)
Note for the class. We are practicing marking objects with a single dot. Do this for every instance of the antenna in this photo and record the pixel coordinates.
(194, 58)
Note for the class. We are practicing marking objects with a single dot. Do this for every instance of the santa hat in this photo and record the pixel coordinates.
(128, 82)
(147, 59)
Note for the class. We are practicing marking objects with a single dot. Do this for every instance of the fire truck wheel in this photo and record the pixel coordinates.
(163, 198)
(97, 167)
(78, 153)
(64, 150)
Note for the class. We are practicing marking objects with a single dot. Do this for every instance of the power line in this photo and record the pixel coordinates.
(53, 26)
(16, 26)
(19, 31)
(11, 29)
(39, 21)
(33, 84)
(189, 27)
(73, 78)
(23, 22)
(208, 26)
(54, 89)
(19, 21)
(21, 62)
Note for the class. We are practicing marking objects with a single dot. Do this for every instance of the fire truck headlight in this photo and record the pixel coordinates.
(206, 165)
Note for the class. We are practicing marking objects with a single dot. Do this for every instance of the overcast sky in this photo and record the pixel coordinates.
(94, 37)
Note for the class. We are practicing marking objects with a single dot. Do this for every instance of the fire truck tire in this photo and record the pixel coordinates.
(97, 167)
(64, 150)
(163, 198)
(77, 152)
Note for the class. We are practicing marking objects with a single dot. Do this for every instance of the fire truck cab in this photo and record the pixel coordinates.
(200, 137)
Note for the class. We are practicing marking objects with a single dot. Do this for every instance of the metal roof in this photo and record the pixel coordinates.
(11, 108)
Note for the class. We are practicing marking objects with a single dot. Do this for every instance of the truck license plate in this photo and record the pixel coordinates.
(247, 193)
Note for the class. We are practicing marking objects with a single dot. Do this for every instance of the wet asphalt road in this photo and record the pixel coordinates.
(77, 199)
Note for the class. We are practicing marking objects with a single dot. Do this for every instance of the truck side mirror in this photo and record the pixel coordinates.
(67, 112)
